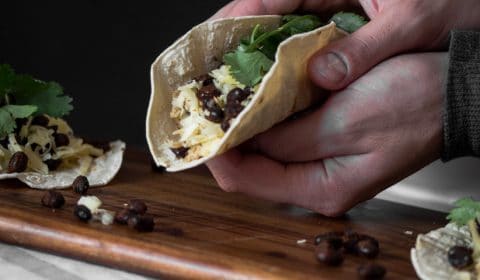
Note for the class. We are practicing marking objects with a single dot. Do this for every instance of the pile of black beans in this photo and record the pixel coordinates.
(134, 215)
(233, 107)
(331, 248)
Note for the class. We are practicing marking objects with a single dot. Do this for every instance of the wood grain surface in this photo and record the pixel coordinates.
(202, 232)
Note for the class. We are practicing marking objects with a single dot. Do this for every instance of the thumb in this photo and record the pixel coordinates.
(342, 61)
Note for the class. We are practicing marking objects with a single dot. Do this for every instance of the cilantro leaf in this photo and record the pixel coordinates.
(47, 96)
(9, 113)
(466, 209)
(349, 22)
(248, 67)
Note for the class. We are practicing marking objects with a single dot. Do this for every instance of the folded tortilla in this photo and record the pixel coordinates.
(284, 90)
(429, 257)
(103, 170)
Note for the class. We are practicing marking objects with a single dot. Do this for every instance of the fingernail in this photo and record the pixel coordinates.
(331, 67)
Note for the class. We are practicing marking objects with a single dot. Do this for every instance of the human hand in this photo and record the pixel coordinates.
(396, 26)
(381, 128)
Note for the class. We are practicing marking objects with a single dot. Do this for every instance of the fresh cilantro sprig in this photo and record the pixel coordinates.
(349, 22)
(22, 96)
(466, 210)
(256, 54)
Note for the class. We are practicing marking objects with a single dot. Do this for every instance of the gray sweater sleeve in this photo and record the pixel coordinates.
(461, 119)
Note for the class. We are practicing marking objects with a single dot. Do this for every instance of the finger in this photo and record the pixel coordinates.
(236, 172)
(267, 7)
(323, 133)
(329, 187)
(343, 61)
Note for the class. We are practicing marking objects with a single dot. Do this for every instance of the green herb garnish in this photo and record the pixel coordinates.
(466, 209)
(22, 96)
(349, 22)
(256, 54)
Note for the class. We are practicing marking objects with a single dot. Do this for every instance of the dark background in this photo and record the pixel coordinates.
(100, 52)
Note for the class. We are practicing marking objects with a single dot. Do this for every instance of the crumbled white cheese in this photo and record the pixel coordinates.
(91, 202)
(104, 216)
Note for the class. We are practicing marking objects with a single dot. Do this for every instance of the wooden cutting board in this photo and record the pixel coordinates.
(202, 232)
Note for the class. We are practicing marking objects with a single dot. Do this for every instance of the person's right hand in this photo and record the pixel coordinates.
(396, 26)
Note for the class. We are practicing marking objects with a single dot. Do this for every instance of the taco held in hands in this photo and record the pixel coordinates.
(230, 79)
(37, 146)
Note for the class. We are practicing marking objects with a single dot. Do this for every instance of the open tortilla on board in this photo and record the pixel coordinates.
(102, 171)
(430, 255)
(284, 90)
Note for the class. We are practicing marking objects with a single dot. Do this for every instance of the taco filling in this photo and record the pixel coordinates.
(42, 144)
(205, 107)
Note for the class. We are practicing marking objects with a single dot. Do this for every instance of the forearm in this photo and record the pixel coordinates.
(462, 101)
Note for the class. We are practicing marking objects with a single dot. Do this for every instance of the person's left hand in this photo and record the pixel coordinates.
(381, 128)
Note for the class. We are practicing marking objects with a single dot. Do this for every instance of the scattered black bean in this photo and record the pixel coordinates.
(205, 80)
(53, 164)
(18, 162)
(460, 256)
(80, 185)
(137, 206)
(367, 247)
(123, 216)
(40, 121)
(334, 239)
(350, 239)
(371, 271)
(82, 213)
(53, 199)
(61, 139)
(328, 255)
(180, 152)
(142, 223)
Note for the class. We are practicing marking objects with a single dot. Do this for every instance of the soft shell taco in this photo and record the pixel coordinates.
(453, 251)
(37, 146)
(227, 80)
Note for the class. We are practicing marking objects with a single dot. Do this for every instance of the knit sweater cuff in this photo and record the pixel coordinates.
(461, 119)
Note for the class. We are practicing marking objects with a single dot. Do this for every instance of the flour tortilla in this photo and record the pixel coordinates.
(429, 257)
(285, 89)
(102, 171)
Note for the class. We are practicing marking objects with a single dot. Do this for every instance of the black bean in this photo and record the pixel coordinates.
(81, 185)
(460, 256)
(53, 164)
(225, 124)
(350, 239)
(34, 146)
(232, 110)
(371, 271)
(328, 255)
(4, 142)
(204, 80)
(137, 206)
(40, 121)
(180, 152)
(61, 139)
(237, 95)
(207, 92)
(53, 127)
(19, 123)
(215, 113)
(18, 162)
(367, 247)
(82, 213)
(21, 140)
(334, 239)
(142, 223)
(123, 216)
(53, 199)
